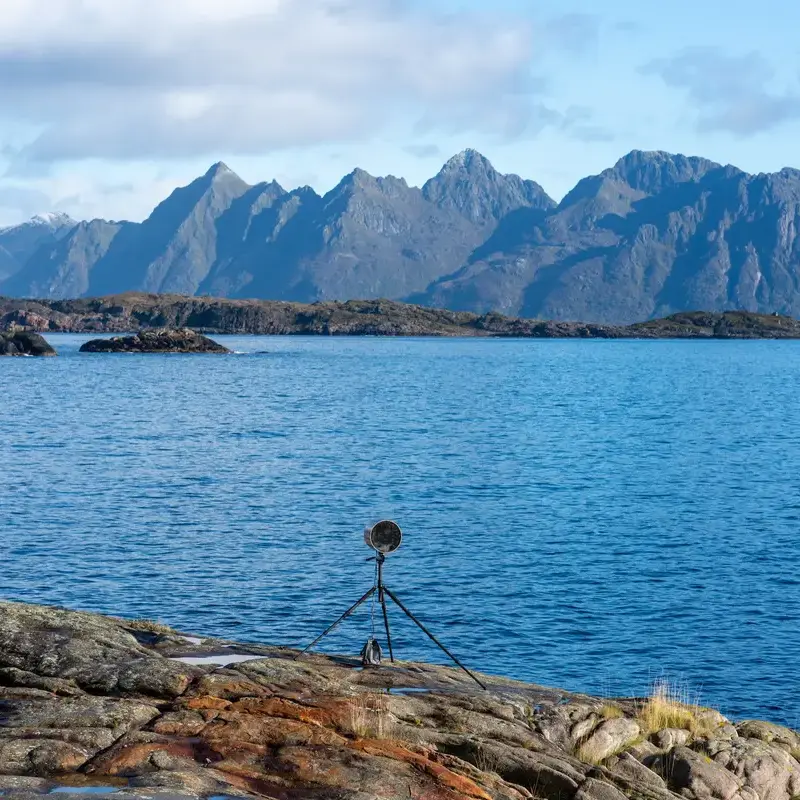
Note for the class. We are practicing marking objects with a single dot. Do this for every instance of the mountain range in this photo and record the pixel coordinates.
(655, 234)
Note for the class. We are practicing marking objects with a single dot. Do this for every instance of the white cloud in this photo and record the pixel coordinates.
(150, 79)
(735, 94)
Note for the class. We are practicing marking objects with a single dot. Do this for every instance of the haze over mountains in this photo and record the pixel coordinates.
(654, 234)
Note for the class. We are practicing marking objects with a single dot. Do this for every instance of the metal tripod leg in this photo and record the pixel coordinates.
(341, 619)
(430, 635)
(386, 623)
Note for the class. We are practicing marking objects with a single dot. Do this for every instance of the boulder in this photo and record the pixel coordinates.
(162, 340)
(24, 343)
(767, 768)
(609, 738)
(696, 775)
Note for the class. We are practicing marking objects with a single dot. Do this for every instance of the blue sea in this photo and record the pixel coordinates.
(595, 515)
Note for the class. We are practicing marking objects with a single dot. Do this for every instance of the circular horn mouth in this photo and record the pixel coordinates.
(384, 536)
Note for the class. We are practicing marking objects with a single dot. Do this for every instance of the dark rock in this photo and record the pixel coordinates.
(164, 340)
(24, 343)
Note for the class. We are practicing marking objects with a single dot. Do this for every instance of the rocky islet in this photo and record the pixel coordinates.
(24, 343)
(163, 340)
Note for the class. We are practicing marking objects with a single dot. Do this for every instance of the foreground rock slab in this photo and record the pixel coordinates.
(137, 710)
(164, 340)
(24, 343)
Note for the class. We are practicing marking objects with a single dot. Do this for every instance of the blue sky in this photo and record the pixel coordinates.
(105, 107)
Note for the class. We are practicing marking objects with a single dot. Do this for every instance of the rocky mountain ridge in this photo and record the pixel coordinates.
(19, 242)
(122, 708)
(655, 234)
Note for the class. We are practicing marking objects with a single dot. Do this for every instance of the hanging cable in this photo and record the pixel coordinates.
(372, 605)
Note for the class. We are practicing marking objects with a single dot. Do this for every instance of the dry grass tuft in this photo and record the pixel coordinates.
(369, 716)
(486, 760)
(670, 706)
(610, 711)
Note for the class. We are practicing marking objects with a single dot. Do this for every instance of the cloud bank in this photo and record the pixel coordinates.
(153, 79)
(735, 94)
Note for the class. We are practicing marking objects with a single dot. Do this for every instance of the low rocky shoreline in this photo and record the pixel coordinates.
(130, 313)
(135, 709)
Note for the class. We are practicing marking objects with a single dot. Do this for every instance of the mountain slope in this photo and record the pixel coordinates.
(175, 247)
(653, 235)
(367, 237)
(19, 242)
(64, 269)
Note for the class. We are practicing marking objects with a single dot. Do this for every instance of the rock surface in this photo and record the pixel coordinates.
(138, 312)
(164, 340)
(91, 701)
(24, 343)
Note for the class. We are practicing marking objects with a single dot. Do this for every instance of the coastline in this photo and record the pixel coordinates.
(132, 313)
(91, 701)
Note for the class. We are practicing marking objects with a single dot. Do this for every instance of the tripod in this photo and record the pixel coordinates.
(383, 590)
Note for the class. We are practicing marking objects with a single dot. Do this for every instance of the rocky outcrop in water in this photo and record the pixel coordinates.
(181, 340)
(137, 312)
(24, 343)
(87, 700)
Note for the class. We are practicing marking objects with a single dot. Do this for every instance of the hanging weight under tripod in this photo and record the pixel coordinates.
(385, 537)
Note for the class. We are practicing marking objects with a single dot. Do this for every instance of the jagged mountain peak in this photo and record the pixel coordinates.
(470, 185)
(467, 160)
(358, 177)
(651, 170)
(55, 220)
(220, 169)
(360, 181)
(638, 174)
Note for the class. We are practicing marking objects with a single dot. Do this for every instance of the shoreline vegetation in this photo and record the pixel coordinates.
(135, 312)
(92, 701)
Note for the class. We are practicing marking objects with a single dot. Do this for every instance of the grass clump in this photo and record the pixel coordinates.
(369, 716)
(610, 711)
(670, 706)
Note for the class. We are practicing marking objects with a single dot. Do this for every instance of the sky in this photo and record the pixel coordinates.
(107, 105)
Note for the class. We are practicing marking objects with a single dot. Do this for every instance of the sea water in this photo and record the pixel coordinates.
(596, 515)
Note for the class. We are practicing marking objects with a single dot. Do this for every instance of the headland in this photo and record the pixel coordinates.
(135, 709)
(134, 312)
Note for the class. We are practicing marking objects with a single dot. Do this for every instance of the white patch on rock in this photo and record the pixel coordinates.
(222, 661)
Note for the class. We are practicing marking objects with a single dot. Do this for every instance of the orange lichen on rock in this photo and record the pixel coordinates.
(458, 783)
(207, 702)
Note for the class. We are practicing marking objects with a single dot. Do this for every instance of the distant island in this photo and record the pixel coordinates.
(135, 312)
